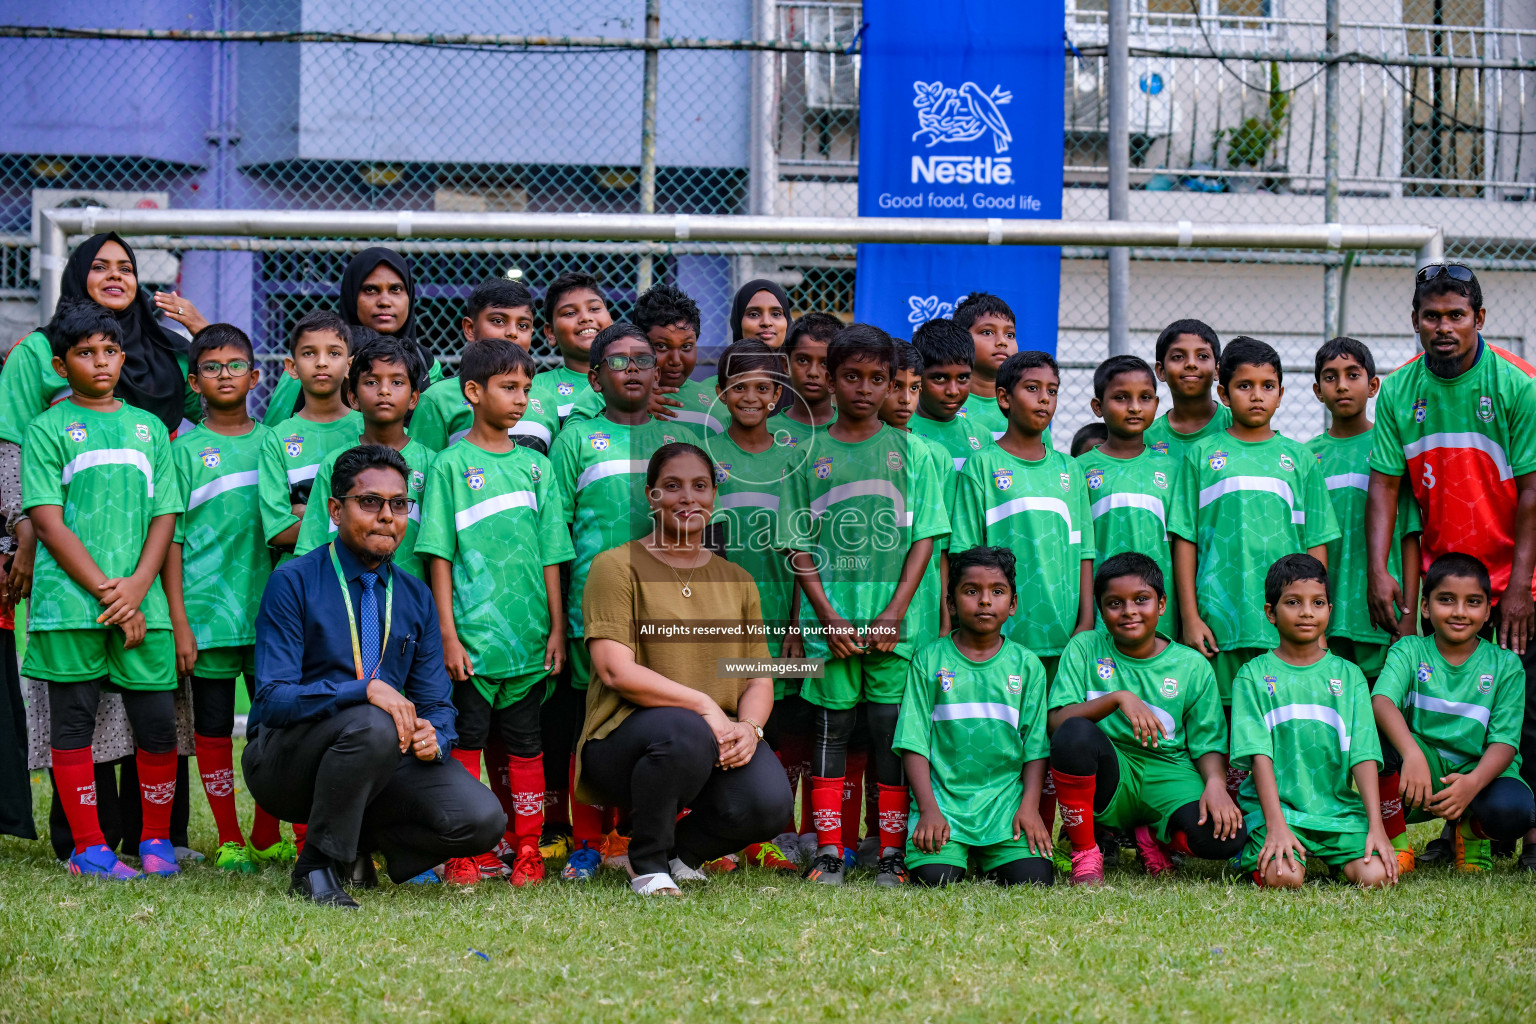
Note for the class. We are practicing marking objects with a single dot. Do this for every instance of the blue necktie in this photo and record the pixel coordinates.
(368, 629)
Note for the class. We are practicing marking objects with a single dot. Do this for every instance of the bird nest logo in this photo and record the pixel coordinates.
(946, 114)
(922, 308)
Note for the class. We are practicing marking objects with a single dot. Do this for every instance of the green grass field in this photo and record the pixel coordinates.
(752, 945)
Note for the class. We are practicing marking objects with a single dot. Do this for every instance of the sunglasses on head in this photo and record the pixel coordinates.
(1454, 271)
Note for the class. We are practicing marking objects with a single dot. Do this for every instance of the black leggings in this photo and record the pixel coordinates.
(517, 724)
(1503, 810)
(213, 705)
(1079, 747)
(72, 715)
(832, 730)
(560, 721)
(1024, 871)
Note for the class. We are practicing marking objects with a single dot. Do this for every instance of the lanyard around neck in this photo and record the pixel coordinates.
(389, 614)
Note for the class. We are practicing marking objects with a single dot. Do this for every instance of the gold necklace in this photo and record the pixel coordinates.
(685, 584)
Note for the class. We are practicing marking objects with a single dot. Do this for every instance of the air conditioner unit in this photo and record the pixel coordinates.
(156, 266)
(1152, 107)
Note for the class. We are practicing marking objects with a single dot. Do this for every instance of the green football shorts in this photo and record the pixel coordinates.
(958, 854)
(503, 693)
(1369, 658)
(1439, 767)
(76, 655)
(1150, 790)
(1334, 848)
(226, 663)
(878, 677)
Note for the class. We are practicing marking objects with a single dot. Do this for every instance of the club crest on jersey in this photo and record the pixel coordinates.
(1336, 687)
(722, 472)
(975, 445)
(533, 403)
(1160, 479)
(1003, 478)
(1095, 479)
(790, 442)
(1484, 684)
(1066, 481)
(210, 457)
(703, 397)
(565, 389)
(1015, 683)
(1286, 463)
(418, 479)
(946, 679)
(893, 459)
(667, 439)
(1425, 672)
(1217, 461)
(293, 444)
(474, 476)
(76, 432)
(1485, 408)
(1160, 446)
(1106, 668)
(1420, 406)
(534, 472)
(599, 441)
(1269, 684)
(1170, 687)
(141, 431)
(823, 467)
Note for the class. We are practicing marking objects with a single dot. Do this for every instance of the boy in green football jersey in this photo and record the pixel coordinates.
(289, 394)
(1302, 726)
(498, 309)
(383, 385)
(948, 354)
(574, 312)
(861, 526)
(1130, 483)
(1188, 355)
(599, 467)
(1244, 497)
(1449, 707)
(1138, 740)
(215, 571)
(1088, 437)
(1021, 494)
(929, 614)
(990, 323)
(100, 487)
(972, 737)
(318, 359)
(1345, 380)
(805, 346)
(494, 541)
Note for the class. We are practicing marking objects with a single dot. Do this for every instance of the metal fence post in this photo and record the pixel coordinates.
(1118, 59)
(648, 132)
(1333, 272)
(764, 170)
(51, 255)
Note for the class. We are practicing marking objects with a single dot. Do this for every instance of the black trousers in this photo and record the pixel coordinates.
(15, 781)
(345, 777)
(662, 760)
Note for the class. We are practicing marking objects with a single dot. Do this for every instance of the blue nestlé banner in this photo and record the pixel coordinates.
(960, 115)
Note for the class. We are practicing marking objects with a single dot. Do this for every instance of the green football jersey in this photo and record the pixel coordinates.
(1177, 686)
(1346, 467)
(701, 408)
(318, 529)
(1129, 499)
(792, 432)
(942, 464)
(1039, 511)
(112, 473)
(977, 723)
(924, 614)
(747, 507)
(600, 485)
(557, 390)
(493, 516)
(285, 394)
(858, 508)
(444, 415)
(983, 411)
(1171, 442)
(960, 437)
(1457, 709)
(1245, 504)
(28, 386)
(298, 446)
(231, 512)
(1315, 724)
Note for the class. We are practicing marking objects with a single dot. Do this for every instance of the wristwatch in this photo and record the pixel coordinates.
(755, 727)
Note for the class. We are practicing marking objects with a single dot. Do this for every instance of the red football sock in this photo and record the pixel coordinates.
(894, 804)
(1074, 793)
(265, 832)
(1048, 803)
(1235, 777)
(853, 797)
(1392, 804)
(74, 779)
(527, 785)
(215, 763)
(157, 790)
(470, 759)
(1180, 844)
(298, 836)
(827, 811)
(586, 820)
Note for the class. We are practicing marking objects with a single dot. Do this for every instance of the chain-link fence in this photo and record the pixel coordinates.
(303, 104)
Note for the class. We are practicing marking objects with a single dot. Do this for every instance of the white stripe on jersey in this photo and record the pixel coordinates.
(1360, 481)
(564, 410)
(998, 513)
(298, 476)
(703, 419)
(1235, 484)
(1449, 707)
(490, 506)
(997, 435)
(212, 490)
(110, 457)
(1310, 712)
(1462, 439)
(613, 467)
(863, 489)
(1163, 718)
(976, 709)
(748, 499)
(1150, 502)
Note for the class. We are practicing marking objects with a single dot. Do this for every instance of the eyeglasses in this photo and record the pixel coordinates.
(1454, 271)
(370, 504)
(618, 364)
(212, 370)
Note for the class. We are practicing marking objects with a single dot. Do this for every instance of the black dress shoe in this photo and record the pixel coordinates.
(362, 874)
(323, 887)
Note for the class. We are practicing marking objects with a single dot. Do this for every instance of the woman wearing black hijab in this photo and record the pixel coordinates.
(760, 310)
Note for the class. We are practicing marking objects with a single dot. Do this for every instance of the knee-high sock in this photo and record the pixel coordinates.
(157, 789)
(1392, 804)
(1074, 794)
(526, 778)
(216, 765)
(300, 828)
(470, 760)
(1235, 777)
(265, 830)
(827, 811)
(500, 772)
(853, 797)
(74, 779)
(795, 755)
(586, 820)
(895, 802)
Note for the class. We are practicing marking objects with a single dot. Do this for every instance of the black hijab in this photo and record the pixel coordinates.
(744, 296)
(357, 272)
(152, 377)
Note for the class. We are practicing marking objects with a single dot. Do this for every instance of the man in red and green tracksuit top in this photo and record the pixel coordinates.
(1459, 422)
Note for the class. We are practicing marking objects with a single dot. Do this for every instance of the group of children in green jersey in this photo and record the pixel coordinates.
(1173, 622)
